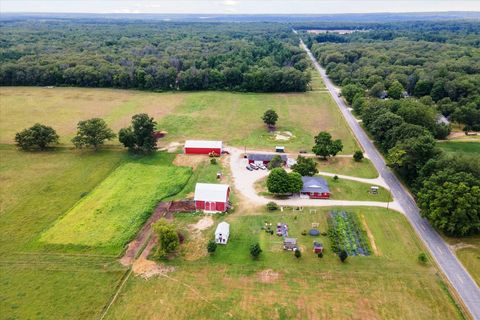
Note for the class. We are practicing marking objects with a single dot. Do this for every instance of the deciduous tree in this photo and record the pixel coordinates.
(138, 138)
(325, 146)
(92, 133)
(305, 166)
(38, 136)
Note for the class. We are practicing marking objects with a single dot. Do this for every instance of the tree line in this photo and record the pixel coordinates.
(162, 56)
(443, 74)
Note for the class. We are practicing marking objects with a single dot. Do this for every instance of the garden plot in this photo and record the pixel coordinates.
(112, 213)
(346, 234)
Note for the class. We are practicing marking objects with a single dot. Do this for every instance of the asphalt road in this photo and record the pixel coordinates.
(460, 279)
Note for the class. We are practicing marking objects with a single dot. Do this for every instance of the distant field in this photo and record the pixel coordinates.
(389, 285)
(468, 148)
(112, 213)
(232, 117)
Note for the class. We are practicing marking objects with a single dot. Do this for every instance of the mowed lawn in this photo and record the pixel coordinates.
(388, 285)
(467, 148)
(231, 117)
(348, 167)
(110, 215)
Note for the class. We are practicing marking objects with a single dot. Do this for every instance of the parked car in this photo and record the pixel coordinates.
(249, 168)
(302, 151)
(225, 152)
(262, 166)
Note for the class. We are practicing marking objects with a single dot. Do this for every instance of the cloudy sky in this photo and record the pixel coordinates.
(236, 6)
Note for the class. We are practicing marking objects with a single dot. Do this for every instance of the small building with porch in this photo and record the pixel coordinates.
(222, 233)
(212, 197)
(315, 188)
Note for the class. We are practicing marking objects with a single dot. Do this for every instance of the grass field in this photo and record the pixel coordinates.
(232, 117)
(468, 148)
(112, 213)
(348, 167)
(389, 285)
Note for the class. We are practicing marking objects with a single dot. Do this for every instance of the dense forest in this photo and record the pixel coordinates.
(262, 57)
(399, 79)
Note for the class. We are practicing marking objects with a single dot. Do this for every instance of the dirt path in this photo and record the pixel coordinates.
(370, 237)
(135, 247)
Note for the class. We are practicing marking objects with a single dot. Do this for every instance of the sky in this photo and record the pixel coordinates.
(236, 6)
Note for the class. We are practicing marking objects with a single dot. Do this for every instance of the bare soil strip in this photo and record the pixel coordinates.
(370, 237)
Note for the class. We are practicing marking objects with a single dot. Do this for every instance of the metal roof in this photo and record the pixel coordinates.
(265, 156)
(211, 192)
(314, 184)
(203, 144)
(223, 228)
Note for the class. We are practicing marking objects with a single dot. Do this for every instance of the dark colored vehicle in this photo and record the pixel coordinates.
(249, 168)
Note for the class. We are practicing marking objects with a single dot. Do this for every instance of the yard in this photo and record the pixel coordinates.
(348, 167)
(389, 284)
(232, 117)
(341, 189)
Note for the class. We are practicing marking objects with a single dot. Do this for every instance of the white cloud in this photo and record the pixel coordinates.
(230, 3)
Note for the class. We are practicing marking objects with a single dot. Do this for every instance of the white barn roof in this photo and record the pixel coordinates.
(211, 192)
(223, 228)
(203, 144)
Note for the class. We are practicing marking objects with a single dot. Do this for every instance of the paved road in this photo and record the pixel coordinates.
(446, 259)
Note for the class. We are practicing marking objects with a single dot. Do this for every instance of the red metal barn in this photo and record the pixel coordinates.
(203, 147)
(315, 188)
(264, 158)
(211, 197)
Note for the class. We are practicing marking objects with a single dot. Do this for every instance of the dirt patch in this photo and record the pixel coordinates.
(461, 245)
(268, 276)
(370, 237)
(202, 224)
(283, 135)
(147, 268)
(186, 160)
(460, 135)
(171, 147)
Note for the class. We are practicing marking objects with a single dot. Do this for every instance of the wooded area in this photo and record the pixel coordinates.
(399, 80)
(257, 57)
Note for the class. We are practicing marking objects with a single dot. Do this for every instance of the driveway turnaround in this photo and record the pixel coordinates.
(244, 181)
(459, 278)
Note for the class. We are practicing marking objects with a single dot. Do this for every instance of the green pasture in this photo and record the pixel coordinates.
(467, 148)
(111, 214)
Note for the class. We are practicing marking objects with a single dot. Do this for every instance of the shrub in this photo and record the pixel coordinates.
(304, 232)
(422, 258)
(211, 246)
(358, 156)
(335, 178)
(255, 250)
(213, 161)
(343, 255)
(272, 206)
(320, 255)
(298, 253)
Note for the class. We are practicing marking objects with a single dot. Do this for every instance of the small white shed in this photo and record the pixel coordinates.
(222, 232)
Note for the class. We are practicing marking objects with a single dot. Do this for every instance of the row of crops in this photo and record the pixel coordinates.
(346, 234)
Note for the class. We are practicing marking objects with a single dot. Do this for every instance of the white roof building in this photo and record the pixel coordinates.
(222, 233)
(203, 144)
(211, 192)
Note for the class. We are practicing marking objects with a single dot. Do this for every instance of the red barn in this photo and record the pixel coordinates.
(203, 147)
(211, 197)
(315, 188)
